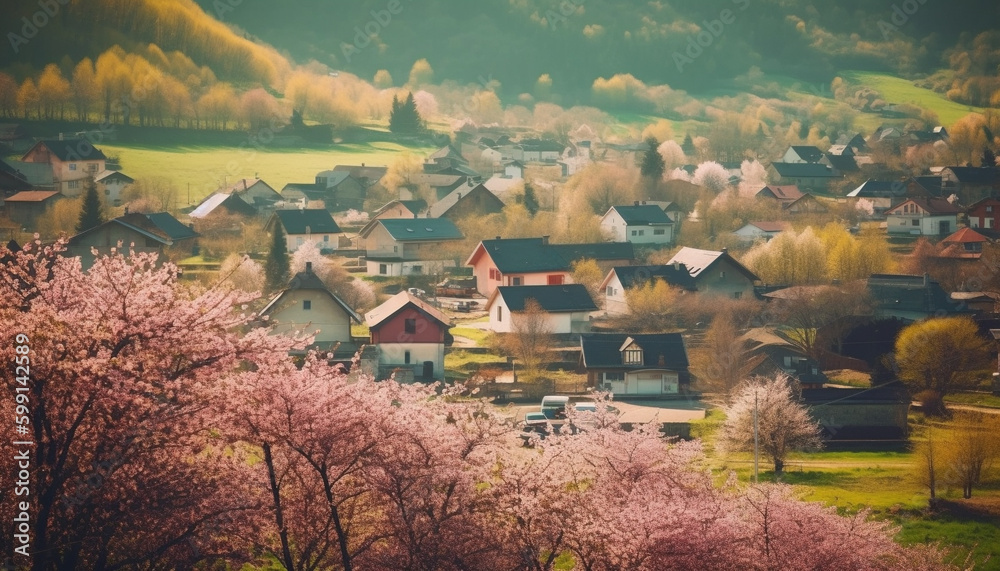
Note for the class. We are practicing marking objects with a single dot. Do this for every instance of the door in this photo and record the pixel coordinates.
(555, 279)
(428, 369)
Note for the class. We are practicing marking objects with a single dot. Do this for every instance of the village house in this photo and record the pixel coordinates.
(623, 278)
(441, 184)
(909, 298)
(463, 202)
(802, 154)
(255, 192)
(111, 184)
(409, 336)
(970, 183)
(409, 246)
(638, 224)
(307, 307)
(218, 205)
(984, 215)
(400, 209)
(717, 273)
(767, 354)
(567, 307)
(12, 180)
(784, 195)
(155, 232)
(302, 225)
(26, 206)
(71, 161)
(845, 414)
(884, 194)
(368, 176)
(965, 243)
(922, 217)
(332, 190)
(635, 365)
(753, 231)
(811, 176)
(534, 261)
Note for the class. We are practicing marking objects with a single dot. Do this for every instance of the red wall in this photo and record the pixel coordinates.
(394, 329)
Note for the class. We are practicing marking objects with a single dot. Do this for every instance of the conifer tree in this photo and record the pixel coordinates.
(688, 145)
(652, 162)
(91, 216)
(276, 266)
(530, 200)
(404, 117)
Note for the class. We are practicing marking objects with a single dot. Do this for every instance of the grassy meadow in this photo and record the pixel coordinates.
(899, 90)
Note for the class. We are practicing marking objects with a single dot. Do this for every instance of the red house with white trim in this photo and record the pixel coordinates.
(409, 335)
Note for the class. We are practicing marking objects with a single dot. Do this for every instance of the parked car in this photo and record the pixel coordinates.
(554, 406)
(535, 423)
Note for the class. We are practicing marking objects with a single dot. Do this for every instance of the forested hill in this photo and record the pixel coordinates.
(576, 41)
(39, 33)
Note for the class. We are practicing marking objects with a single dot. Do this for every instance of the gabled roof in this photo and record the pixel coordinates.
(32, 196)
(808, 153)
(398, 302)
(566, 298)
(315, 221)
(438, 180)
(988, 201)
(976, 175)
(414, 206)
(70, 149)
(965, 236)
(243, 184)
(373, 174)
(333, 178)
(107, 175)
(900, 292)
(229, 202)
(659, 351)
(788, 192)
(843, 163)
(159, 226)
(445, 152)
(838, 150)
(804, 170)
(308, 281)
(698, 261)
(527, 255)
(416, 229)
(775, 226)
(879, 189)
(641, 214)
(674, 275)
(463, 194)
(932, 206)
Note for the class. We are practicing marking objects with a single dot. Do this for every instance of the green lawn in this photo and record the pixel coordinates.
(899, 90)
(978, 399)
(205, 168)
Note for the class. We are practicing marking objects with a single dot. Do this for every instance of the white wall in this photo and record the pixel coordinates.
(394, 354)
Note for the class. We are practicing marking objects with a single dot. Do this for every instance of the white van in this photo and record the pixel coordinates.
(554, 406)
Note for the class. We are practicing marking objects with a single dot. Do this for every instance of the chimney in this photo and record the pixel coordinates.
(498, 237)
(362, 164)
(677, 266)
(725, 250)
(545, 239)
(460, 195)
(244, 185)
(636, 203)
(309, 267)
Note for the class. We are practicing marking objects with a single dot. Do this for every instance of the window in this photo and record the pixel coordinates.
(722, 275)
(72, 166)
(989, 209)
(307, 304)
(500, 313)
(92, 167)
(395, 249)
(554, 279)
(633, 356)
(659, 231)
(383, 269)
(410, 326)
(326, 237)
(989, 222)
(614, 377)
(634, 232)
(915, 222)
(515, 281)
(610, 291)
(406, 357)
(418, 269)
(642, 232)
(74, 184)
(737, 295)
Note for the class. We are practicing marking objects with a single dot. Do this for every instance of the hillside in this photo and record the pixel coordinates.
(515, 42)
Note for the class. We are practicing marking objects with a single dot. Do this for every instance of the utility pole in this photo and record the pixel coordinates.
(756, 433)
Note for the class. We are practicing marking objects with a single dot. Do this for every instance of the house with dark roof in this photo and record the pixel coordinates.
(255, 192)
(154, 232)
(334, 191)
(844, 163)
(219, 204)
(783, 194)
(806, 204)
(26, 206)
(302, 225)
(922, 217)
(909, 298)
(984, 215)
(12, 180)
(463, 202)
(635, 365)
(534, 261)
(854, 141)
(884, 194)
(409, 336)
(638, 224)
(567, 307)
(859, 415)
(111, 184)
(716, 272)
(71, 161)
(442, 184)
(368, 176)
(768, 354)
(307, 307)
(623, 278)
(409, 246)
(812, 176)
(765, 230)
(802, 154)
(970, 183)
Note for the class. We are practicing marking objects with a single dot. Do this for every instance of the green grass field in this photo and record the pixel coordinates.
(206, 168)
(899, 90)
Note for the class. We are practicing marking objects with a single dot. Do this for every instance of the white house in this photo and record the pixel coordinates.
(513, 169)
(717, 273)
(306, 306)
(623, 278)
(303, 225)
(111, 184)
(639, 224)
(922, 217)
(761, 231)
(409, 246)
(635, 364)
(567, 307)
